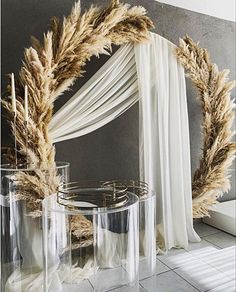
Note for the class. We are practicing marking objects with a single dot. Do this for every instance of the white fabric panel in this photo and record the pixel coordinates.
(108, 94)
(164, 139)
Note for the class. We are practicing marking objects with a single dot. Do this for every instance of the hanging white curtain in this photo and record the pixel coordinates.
(150, 72)
(164, 139)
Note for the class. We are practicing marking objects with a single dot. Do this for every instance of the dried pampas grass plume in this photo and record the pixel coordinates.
(51, 67)
(211, 179)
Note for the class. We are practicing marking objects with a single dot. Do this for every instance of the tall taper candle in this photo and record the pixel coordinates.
(13, 93)
(26, 104)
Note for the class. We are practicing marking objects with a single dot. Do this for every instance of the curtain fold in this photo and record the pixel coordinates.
(148, 72)
(164, 139)
(109, 93)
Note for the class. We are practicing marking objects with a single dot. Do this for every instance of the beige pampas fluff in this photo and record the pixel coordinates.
(50, 68)
(211, 179)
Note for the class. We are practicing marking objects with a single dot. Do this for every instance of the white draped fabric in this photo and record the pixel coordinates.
(108, 94)
(149, 72)
(164, 139)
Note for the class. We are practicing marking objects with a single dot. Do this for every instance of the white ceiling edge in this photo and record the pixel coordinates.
(224, 9)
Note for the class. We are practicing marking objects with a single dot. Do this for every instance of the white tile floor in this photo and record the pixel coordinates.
(205, 266)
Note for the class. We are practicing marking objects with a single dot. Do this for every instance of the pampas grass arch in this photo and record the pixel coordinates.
(49, 69)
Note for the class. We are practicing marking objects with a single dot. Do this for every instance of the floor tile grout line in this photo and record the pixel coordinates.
(211, 265)
(142, 287)
(176, 274)
(219, 230)
(222, 284)
(184, 250)
(214, 244)
(155, 275)
(216, 268)
(189, 252)
(90, 284)
(165, 264)
(215, 232)
(173, 269)
(227, 233)
(187, 281)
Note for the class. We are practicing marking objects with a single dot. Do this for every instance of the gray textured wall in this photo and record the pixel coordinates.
(218, 36)
(112, 151)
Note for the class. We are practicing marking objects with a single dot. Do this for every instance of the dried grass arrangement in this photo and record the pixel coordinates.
(211, 179)
(49, 69)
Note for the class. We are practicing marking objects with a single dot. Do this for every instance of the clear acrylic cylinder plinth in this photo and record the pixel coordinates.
(21, 254)
(147, 224)
(147, 229)
(91, 239)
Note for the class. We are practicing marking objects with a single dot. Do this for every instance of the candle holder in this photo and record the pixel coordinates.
(15, 140)
(26, 140)
(147, 223)
(21, 234)
(109, 259)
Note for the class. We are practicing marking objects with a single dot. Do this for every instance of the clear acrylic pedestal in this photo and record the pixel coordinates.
(147, 224)
(21, 258)
(91, 239)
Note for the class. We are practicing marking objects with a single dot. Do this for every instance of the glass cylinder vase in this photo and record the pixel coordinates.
(22, 190)
(147, 224)
(91, 239)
